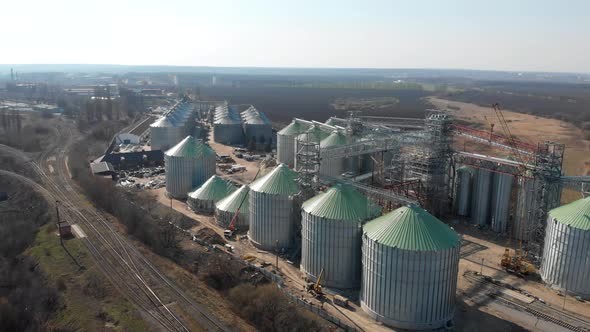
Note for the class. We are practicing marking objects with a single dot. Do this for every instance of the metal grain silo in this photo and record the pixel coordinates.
(334, 166)
(501, 200)
(315, 135)
(164, 133)
(566, 256)
(463, 190)
(203, 199)
(257, 128)
(482, 190)
(526, 214)
(226, 208)
(331, 235)
(188, 165)
(410, 262)
(286, 142)
(271, 209)
(228, 130)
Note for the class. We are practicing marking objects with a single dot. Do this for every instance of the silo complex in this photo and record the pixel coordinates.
(333, 167)
(482, 189)
(173, 126)
(286, 142)
(410, 263)
(203, 199)
(566, 255)
(331, 235)
(271, 209)
(188, 165)
(226, 208)
(463, 190)
(501, 199)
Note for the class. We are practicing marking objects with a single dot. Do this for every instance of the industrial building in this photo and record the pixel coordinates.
(236, 202)
(188, 165)
(410, 263)
(241, 125)
(203, 199)
(566, 258)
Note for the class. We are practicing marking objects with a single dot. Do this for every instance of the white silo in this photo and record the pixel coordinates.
(410, 263)
(566, 255)
(271, 209)
(286, 142)
(331, 235)
(164, 134)
(481, 197)
(501, 202)
(226, 209)
(188, 165)
(203, 199)
(463, 190)
(333, 166)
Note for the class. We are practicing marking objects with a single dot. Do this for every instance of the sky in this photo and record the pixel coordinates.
(515, 35)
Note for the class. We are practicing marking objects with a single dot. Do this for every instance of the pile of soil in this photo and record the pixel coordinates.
(209, 235)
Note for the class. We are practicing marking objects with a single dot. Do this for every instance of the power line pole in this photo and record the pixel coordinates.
(61, 238)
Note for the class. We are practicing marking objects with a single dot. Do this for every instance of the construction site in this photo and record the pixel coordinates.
(391, 221)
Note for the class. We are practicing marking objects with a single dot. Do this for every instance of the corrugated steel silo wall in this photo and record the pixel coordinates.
(335, 246)
(179, 175)
(201, 205)
(261, 132)
(157, 139)
(501, 200)
(271, 220)
(286, 149)
(566, 258)
(224, 218)
(332, 167)
(205, 170)
(407, 289)
(526, 209)
(230, 134)
(482, 189)
(463, 193)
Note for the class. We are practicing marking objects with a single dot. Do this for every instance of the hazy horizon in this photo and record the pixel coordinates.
(527, 36)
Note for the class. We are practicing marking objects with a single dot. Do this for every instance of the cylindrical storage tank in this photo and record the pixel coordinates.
(313, 135)
(188, 165)
(527, 208)
(226, 208)
(160, 131)
(482, 190)
(501, 199)
(228, 131)
(410, 263)
(334, 166)
(203, 199)
(271, 209)
(331, 235)
(463, 190)
(566, 256)
(286, 142)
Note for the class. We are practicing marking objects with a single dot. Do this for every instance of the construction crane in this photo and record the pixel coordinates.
(315, 288)
(229, 232)
(511, 140)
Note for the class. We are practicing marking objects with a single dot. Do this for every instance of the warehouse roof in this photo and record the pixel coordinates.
(190, 147)
(280, 181)
(232, 202)
(341, 202)
(213, 189)
(412, 228)
(575, 214)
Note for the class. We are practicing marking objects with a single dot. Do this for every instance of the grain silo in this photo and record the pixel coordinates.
(501, 200)
(333, 166)
(228, 130)
(482, 190)
(188, 165)
(164, 133)
(203, 199)
(331, 235)
(286, 142)
(271, 209)
(410, 262)
(566, 255)
(257, 128)
(314, 135)
(226, 208)
(464, 176)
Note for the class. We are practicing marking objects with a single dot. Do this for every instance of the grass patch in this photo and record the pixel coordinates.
(90, 301)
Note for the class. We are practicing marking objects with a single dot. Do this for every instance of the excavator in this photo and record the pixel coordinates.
(516, 264)
(315, 288)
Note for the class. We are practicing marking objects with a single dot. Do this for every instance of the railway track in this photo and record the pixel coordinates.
(539, 310)
(129, 271)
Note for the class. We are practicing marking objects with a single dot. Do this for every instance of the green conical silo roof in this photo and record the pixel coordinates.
(213, 189)
(232, 202)
(336, 138)
(314, 134)
(190, 147)
(294, 128)
(280, 181)
(341, 202)
(465, 168)
(575, 214)
(412, 228)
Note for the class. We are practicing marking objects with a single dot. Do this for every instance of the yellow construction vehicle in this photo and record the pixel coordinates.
(516, 264)
(315, 288)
